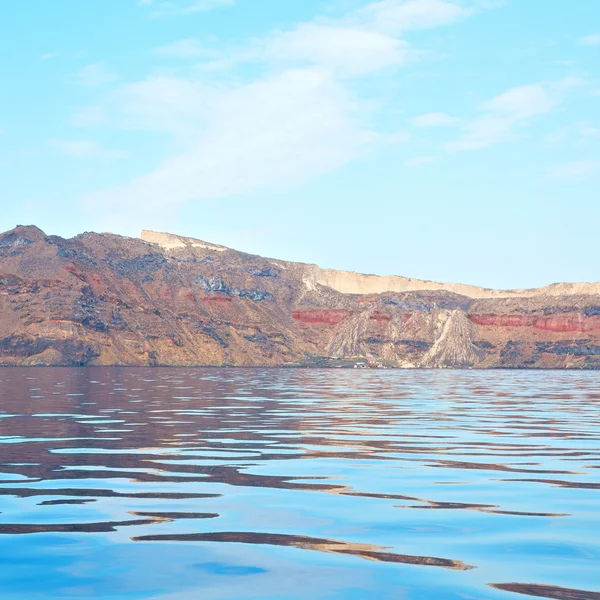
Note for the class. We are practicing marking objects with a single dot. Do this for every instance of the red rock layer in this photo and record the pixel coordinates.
(573, 323)
(501, 320)
(321, 316)
(381, 317)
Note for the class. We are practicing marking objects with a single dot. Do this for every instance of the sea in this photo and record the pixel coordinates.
(177, 483)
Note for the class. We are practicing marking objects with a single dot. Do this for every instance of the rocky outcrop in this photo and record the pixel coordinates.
(453, 342)
(102, 299)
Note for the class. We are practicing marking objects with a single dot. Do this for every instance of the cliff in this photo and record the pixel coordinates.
(103, 299)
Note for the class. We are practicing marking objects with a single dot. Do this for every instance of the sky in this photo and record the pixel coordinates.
(450, 140)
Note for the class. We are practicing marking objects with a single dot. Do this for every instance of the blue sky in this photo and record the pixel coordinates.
(454, 140)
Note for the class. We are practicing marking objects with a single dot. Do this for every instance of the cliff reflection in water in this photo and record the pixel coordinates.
(148, 482)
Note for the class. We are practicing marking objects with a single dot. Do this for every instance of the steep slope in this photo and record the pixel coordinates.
(102, 299)
(453, 342)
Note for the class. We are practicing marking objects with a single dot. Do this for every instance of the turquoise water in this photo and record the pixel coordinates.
(274, 483)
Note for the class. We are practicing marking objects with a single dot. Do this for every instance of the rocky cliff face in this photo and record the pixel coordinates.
(102, 299)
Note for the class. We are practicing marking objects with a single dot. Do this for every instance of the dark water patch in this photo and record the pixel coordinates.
(307, 543)
(546, 591)
(99, 493)
(579, 485)
(66, 501)
(174, 516)
(448, 464)
(24, 528)
(520, 513)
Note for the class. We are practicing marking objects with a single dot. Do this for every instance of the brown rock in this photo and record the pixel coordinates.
(103, 299)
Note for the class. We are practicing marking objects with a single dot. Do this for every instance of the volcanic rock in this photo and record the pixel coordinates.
(103, 299)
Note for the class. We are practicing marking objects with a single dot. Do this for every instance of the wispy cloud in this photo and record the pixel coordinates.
(589, 131)
(590, 40)
(164, 8)
(396, 17)
(94, 75)
(180, 106)
(360, 42)
(82, 149)
(574, 171)
(49, 56)
(505, 115)
(186, 49)
(297, 119)
(434, 119)
(578, 135)
(347, 50)
(417, 161)
(275, 133)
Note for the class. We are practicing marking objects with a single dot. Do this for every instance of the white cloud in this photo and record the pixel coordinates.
(590, 40)
(417, 161)
(558, 137)
(94, 75)
(185, 49)
(296, 119)
(49, 56)
(271, 134)
(351, 51)
(589, 131)
(503, 116)
(434, 119)
(82, 149)
(398, 16)
(175, 105)
(576, 171)
(362, 41)
(166, 8)
(523, 102)
(579, 135)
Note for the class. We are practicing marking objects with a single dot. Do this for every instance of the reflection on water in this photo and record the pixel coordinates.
(298, 541)
(548, 591)
(243, 483)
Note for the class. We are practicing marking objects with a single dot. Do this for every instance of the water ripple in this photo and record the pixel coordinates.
(227, 475)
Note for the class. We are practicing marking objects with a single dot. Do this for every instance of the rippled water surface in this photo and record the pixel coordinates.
(227, 483)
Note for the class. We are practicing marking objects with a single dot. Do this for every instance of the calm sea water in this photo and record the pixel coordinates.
(208, 483)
